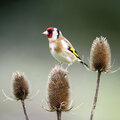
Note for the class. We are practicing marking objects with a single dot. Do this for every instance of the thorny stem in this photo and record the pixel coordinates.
(96, 95)
(58, 114)
(24, 109)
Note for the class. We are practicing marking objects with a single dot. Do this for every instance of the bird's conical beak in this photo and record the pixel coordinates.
(45, 33)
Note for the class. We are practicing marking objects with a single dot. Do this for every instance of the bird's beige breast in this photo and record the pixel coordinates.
(55, 47)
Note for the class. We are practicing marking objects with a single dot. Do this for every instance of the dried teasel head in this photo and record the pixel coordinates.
(58, 90)
(20, 86)
(100, 56)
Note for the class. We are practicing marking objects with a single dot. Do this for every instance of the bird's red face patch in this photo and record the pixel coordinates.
(50, 29)
(50, 32)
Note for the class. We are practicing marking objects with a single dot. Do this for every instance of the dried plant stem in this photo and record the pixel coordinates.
(24, 109)
(96, 95)
(58, 114)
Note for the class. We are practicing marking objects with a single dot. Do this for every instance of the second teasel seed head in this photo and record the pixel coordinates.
(58, 89)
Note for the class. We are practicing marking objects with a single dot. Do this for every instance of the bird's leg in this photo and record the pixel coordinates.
(68, 66)
(60, 64)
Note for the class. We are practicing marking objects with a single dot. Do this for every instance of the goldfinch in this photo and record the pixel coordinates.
(60, 48)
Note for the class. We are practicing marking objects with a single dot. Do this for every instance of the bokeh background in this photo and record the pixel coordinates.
(23, 48)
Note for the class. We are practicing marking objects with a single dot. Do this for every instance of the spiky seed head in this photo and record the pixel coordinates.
(58, 89)
(20, 86)
(100, 56)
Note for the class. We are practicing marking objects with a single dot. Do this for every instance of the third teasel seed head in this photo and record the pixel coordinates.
(100, 56)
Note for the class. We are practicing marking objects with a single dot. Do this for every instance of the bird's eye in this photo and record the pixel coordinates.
(50, 31)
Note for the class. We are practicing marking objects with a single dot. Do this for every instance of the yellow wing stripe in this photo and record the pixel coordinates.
(74, 52)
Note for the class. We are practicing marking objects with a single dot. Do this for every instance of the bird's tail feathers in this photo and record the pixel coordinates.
(84, 64)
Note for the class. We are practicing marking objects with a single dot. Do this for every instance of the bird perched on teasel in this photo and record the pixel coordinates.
(60, 48)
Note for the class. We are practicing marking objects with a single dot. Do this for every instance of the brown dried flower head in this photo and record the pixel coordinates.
(100, 56)
(20, 86)
(58, 89)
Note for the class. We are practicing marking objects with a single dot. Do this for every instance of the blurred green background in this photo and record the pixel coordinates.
(23, 48)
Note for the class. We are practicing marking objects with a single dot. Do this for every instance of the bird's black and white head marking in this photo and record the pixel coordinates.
(58, 33)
